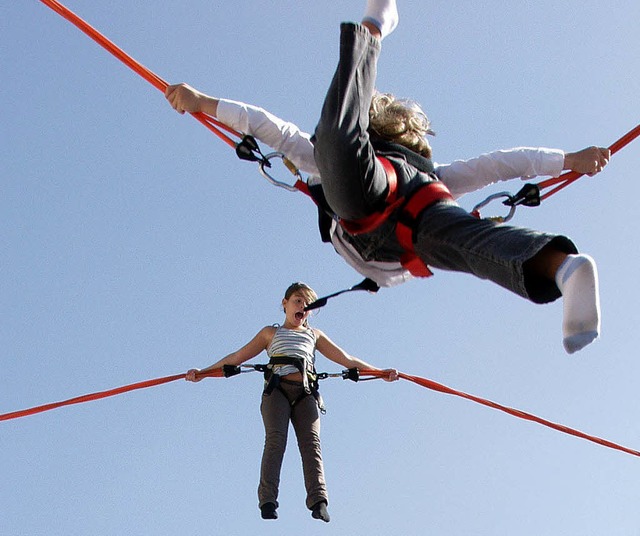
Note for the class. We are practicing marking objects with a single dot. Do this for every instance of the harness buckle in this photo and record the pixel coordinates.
(230, 370)
(247, 148)
(528, 196)
(352, 374)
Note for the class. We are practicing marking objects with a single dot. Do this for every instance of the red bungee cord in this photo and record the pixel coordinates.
(423, 382)
(566, 179)
(434, 386)
(217, 373)
(530, 195)
(212, 124)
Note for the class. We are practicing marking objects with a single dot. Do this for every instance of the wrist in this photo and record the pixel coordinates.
(569, 161)
(208, 105)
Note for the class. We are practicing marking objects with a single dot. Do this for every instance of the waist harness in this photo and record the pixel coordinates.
(408, 209)
(309, 379)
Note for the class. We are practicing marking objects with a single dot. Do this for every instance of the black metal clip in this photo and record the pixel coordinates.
(247, 149)
(352, 374)
(230, 370)
(528, 196)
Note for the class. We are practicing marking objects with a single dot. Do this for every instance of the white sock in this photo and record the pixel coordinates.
(577, 279)
(383, 14)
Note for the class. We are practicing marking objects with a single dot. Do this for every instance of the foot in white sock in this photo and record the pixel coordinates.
(577, 279)
(383, 14)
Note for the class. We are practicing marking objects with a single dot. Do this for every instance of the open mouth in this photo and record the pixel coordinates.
(299, 315)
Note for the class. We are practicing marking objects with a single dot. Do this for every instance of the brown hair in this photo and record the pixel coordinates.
(400, 121)
(303, 289)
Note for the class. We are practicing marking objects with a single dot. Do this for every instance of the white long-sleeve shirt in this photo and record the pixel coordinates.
(460, 176)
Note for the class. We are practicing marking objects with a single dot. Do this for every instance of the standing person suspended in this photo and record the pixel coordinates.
(291, 395)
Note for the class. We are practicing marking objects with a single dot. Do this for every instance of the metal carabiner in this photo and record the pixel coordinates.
(498, 219)
(265, 162)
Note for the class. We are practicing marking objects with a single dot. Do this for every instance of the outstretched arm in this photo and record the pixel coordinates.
(248, 351)
(283, 136)
(336, 354)
(464, 176)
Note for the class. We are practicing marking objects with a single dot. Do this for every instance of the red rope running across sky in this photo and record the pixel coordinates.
(212, 124)
(423, 382)
(101, 394)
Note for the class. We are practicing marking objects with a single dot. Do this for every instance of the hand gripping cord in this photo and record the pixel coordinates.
(350, 374)
(530, 194)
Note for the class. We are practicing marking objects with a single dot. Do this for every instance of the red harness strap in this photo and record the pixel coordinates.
(373, 221)
(425, 196)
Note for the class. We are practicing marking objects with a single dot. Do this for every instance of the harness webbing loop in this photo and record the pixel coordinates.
(426, 196)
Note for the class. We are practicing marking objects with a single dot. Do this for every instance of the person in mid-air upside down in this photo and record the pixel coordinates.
(358, 126)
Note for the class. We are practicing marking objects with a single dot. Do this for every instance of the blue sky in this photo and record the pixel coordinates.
(135, 245)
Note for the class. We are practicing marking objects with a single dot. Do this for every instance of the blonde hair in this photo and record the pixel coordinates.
(400, 121)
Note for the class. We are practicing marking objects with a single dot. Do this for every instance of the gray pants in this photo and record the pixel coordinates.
(277, 412)
(446, 236)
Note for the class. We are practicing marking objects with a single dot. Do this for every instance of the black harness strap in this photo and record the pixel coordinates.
(309, 380)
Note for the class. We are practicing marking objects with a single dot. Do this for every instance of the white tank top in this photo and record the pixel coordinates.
(298, 343)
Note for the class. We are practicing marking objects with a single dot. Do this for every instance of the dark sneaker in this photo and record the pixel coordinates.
(268, 511)
(319, 511)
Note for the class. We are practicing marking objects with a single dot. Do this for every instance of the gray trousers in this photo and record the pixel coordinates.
(277, 412)
(355, 185)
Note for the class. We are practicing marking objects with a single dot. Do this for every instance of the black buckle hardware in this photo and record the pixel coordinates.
(352, 374)
(247, 149)
(230, 370)
(528, 196)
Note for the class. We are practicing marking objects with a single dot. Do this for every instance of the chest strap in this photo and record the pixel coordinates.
(409, 211)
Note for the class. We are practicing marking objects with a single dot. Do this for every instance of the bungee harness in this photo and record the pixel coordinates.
(409, 208)
(310, 385)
